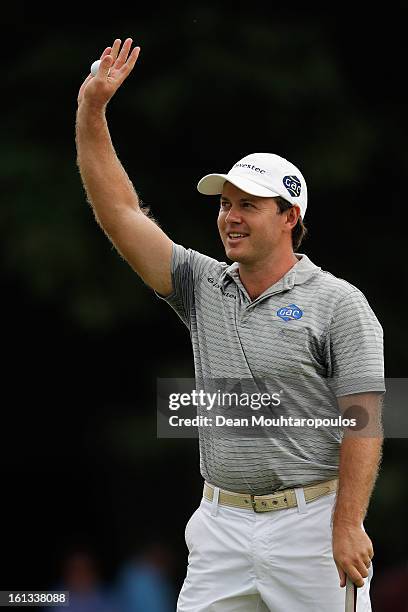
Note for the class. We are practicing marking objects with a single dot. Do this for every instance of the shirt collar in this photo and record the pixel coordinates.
(297, 275)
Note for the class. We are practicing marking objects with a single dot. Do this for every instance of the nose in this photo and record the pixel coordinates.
(233, 216)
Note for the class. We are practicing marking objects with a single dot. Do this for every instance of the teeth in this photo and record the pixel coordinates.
(236, 235)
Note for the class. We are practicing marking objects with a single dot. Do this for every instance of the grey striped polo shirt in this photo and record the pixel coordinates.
(311, 334)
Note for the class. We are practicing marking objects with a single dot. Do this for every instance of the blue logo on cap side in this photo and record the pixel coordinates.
(290, 312)
(292, 184)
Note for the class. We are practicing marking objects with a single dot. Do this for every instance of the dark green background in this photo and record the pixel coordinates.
(84, 338)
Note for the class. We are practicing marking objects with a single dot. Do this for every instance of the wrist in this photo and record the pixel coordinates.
(91, 108)
(346, 521)
(91, 120)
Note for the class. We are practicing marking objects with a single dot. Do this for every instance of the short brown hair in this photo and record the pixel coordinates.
(300, 230)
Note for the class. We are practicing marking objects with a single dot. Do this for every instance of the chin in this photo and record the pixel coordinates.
(233, 255)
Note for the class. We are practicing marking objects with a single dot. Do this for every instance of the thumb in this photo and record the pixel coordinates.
(104, 67)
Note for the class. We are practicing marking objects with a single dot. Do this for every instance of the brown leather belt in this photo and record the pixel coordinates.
(275, 501)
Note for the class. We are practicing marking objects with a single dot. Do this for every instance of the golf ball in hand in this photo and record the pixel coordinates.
(95, 67)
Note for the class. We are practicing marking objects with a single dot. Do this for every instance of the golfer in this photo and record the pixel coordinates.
(280, 524)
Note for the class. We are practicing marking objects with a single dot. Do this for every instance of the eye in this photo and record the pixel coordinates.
(247, 205)
(224, 205)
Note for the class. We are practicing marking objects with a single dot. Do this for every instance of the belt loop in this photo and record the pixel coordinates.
(301, 502)
(216, 494)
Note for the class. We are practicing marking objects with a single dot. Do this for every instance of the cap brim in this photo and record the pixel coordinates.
(212, 184)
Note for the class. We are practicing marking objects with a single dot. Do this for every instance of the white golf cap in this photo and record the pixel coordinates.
(261, 174)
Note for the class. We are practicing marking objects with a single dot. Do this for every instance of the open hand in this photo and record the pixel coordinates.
(116, 64)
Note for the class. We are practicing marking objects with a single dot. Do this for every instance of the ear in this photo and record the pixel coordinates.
(293, 215)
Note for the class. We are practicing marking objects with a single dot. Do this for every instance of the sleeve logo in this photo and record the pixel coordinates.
(290, 312)
(292, 184)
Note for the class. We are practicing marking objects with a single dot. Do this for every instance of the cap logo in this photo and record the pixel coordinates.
(250, 167)
(292, 184)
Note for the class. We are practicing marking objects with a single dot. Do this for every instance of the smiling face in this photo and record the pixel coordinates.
(251, 228)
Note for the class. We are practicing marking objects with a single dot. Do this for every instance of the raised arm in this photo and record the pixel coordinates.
(109, 190)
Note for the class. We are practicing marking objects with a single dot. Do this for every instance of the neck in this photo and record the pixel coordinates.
(259, 276)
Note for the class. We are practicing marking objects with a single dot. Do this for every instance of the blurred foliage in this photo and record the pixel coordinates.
(206, 90)
(85, 338)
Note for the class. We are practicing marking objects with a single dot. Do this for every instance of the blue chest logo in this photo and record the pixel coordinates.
(292, 184)
(290, 312)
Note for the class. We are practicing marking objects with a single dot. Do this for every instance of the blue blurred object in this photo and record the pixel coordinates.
(143, 583)
(81, 578)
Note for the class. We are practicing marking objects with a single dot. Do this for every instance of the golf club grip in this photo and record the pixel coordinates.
(351, 596)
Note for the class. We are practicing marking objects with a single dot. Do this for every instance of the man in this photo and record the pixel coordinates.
(281, 519)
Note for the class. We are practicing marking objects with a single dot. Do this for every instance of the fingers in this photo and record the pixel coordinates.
(132, 59)
(122, 57)
(362, 570)
(355, 577)
(357, 572)
(115, 49)
(106, 52)
(342, 575)
(122, 73)
(106, 63)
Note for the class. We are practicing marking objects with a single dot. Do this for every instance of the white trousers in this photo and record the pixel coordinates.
(242, 561)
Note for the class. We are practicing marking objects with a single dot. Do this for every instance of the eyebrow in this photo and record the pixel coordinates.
(249, 198)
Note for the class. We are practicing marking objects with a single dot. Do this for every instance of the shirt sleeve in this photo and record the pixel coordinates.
(355, 347)
(187, 267)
